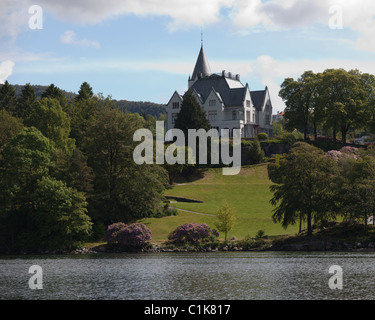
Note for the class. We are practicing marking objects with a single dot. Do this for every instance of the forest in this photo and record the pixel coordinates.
(66, 168)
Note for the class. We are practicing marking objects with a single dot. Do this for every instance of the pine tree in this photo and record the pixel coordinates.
(85, 92)
(8, 100)
(26, 102)
(191, 115)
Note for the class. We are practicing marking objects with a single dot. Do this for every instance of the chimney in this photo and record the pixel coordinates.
(230, 75)
(237, 77)
(223, 73)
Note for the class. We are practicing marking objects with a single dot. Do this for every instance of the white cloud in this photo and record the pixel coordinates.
(182, 12)
(6, 69)
(69, 37)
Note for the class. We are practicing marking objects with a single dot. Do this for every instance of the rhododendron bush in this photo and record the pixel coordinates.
(136, 235)
(192, 233)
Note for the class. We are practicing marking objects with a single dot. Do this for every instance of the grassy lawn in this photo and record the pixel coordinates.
(248, 193)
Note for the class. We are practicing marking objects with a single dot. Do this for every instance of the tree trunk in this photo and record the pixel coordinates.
(334, 133)
(315, 131)
(309, 226)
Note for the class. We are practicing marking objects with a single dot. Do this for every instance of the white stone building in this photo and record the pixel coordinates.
(227, 102)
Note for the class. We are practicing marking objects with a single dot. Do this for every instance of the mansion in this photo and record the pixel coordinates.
(228, 104)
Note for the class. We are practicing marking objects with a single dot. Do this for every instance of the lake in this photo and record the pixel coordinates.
(190, 276)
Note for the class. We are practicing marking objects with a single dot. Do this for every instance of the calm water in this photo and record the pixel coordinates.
(190, 276)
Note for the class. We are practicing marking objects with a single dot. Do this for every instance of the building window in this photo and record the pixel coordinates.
(248, 117)
(234, 115)
(176, 105)
(212, 115)
(248, 103)
(253, 117)
(268, 119)
(212, 103)
(174, 117)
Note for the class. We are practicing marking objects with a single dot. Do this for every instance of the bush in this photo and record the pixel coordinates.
(256, 154)
(136, 235)
(112, 231)
(260, 234)
(262, 136)
(192, 233)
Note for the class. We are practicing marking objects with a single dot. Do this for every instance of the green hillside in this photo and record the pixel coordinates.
(247, 192)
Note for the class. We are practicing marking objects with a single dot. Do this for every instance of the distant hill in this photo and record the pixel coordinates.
(140, 107)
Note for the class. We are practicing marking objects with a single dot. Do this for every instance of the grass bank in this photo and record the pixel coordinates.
(248, 193)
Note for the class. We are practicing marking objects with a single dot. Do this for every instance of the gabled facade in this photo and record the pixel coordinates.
(227, 102)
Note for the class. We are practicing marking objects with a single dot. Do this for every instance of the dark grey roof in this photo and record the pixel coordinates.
(230, 96)
(258, 98)
(201, 66)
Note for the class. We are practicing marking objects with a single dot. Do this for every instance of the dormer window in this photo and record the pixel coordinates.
(176, 105)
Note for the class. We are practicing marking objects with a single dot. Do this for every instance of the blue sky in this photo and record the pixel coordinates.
(145, 50)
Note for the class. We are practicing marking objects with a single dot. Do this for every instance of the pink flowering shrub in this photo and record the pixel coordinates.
(348, 152)
(192, 233)
(335, 155)
(112, 231)
(136, 235)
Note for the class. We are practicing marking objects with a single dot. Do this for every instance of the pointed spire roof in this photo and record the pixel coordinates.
(201, 66)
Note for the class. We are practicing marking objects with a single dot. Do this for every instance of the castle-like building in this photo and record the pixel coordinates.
(227, 102)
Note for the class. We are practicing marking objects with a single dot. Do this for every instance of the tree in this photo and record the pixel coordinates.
(346, 99)
(123, 190)
(49, 117)
(256, 154)
(60, 215)
(81, 113)
(304, 186)
(8, 100)
(300, 97)
(191, 115)
(26, 102)
(27, 158)
(226, 219)
(9, 127)
(356, 188)
(55, 93)
(85, 92)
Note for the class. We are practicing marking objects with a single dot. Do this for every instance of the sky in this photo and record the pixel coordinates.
(144, 50)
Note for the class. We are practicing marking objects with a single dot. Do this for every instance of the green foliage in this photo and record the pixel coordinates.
(256, 154)
(85, 92)
(37, 211)
(124, 191)
(303, 186)
(49, 117)
(9, 127)
(191, 115)
(26, 102)
(8, 100)
(60, 216)
(225, 219)
(54, 92)
(336, 99)
(262, 136)
(260, 234)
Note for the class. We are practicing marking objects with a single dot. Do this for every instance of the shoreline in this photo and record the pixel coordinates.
(303, 247)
